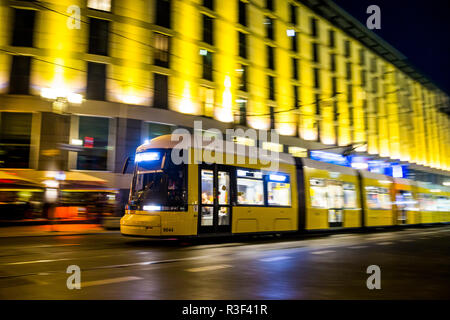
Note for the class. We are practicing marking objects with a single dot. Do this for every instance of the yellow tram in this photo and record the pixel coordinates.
(237, 192)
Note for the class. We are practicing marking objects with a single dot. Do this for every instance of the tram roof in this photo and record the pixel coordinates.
(166, 142)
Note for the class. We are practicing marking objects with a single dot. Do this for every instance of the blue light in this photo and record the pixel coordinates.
(147, 156)
(329, 157)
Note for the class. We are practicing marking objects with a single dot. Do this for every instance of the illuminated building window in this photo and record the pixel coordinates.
(242, 13)
(333, 62)
(270, 28)
(334, 86)
(363, 78)
(103, 5)
(208, 4)
(242, 75)
(242, 45)
(19, 81)
(348, 68)
(269, 5)
(162, 14)
(331, 38)
(316, 78)
(208, 29)
(23, 28)
(242, 111)
(349, 93)
(295, 68)
(15, 139)
(271, 82)
(96, 81)
(373, 65)
(158, 129)
(161, 53)
(297, 103)
(347, 49)
(314, 29)
(315, 53)
(94, 132)
(270, 58)
(98, 36)
(362, 57)
(272, 117)
(294, 43)
(207, 101)
(161, 91)
(207, 73)
(293, 13)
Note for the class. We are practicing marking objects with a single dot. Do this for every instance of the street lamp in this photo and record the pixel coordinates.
(61, 98)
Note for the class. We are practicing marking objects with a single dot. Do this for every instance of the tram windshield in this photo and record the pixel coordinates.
(158, 184)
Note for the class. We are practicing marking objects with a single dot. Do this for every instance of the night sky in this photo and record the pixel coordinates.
(420, 30)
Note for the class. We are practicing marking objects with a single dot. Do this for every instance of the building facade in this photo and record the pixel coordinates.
(106, 75)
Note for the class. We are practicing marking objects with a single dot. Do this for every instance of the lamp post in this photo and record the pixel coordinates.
(61, 99)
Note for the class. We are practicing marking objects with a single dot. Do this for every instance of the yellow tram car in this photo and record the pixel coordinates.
(232, 193)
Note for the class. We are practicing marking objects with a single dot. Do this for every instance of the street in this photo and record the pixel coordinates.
(414, 264)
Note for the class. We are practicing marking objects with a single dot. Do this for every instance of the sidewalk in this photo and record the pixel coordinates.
(52, 230)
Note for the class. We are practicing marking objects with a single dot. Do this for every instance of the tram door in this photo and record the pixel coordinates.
(335, 203)
(215, 199)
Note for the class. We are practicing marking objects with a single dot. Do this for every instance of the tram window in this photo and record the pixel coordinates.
(427, 202)
(349, 196)
(207, 187)
(318, 193)
(385, 199)
(335, 194)
(405, 201)
(250, 191)
(378, 198)
(279, 194)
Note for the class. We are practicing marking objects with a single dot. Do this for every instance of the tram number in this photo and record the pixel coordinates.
(242, 309)
(167, 229)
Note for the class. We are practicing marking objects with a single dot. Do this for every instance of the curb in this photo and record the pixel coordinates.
(58, 234)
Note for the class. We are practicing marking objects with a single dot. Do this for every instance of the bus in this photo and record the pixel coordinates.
(233, 191)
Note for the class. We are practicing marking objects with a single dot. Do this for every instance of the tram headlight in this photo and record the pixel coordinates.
(151, 208)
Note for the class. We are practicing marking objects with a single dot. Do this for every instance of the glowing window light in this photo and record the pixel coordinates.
(244, 141)
(76, 142)
(446, 183)
(75, 98)
(277, 177)
(147, 156)
(203, 52)
(298, 152)
(272, 146)
(152, 208)
(360, 165)
(51, 184)
(290, 32)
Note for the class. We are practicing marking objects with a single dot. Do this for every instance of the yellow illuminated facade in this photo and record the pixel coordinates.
(342, 92)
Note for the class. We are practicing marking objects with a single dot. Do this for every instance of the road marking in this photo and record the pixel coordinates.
(55, 245)
(108, 281)
(209, 268)
(358, 247)
(34, 261)
(323, 252)
(384, 243)
(275, 258)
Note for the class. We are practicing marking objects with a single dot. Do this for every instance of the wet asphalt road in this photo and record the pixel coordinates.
(415, 264)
